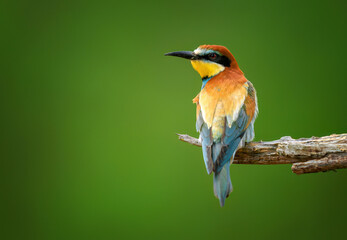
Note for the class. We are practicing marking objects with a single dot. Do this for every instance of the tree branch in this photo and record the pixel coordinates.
(308, 155)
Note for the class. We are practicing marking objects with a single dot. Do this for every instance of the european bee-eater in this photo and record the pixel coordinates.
(226, 108)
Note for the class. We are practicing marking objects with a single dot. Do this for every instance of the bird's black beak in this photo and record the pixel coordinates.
(183, 54)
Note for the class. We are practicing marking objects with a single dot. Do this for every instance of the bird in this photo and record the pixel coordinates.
(226, 109)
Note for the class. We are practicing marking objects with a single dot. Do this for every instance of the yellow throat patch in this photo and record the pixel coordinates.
(207, 69)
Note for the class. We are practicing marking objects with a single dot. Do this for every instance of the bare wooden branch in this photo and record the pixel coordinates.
(315, 154)
(330, 162)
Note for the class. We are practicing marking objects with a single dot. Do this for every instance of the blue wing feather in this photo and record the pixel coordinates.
(206, 142)
(217, 154)
(231, 140)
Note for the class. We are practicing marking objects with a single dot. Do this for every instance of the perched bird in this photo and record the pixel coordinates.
(226, 108)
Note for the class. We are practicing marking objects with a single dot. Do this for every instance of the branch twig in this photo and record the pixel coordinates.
(308, 155)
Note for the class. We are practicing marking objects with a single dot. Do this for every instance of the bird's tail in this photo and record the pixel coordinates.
(221, 184)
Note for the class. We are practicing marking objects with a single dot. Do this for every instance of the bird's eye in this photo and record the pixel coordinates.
(212, 56)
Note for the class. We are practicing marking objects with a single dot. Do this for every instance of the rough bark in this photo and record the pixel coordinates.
(330, 162)
(308, 155)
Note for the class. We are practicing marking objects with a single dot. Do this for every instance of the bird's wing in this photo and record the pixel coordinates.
(241, 113)
(205, 136)
(251, 105)
(238, 113)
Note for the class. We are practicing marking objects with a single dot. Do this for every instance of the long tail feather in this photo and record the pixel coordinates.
(222, 184)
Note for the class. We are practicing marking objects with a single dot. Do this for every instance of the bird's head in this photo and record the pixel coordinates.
(209, 60)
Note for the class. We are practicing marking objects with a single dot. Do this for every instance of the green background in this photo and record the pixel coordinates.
(90, 108)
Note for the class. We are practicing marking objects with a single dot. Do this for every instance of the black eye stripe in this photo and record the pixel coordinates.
(223, 60)
(212, 56)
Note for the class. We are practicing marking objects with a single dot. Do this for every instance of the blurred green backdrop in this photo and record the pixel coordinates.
(90, 108)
